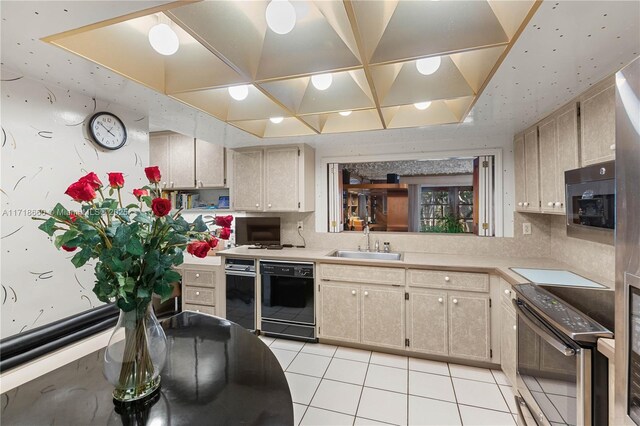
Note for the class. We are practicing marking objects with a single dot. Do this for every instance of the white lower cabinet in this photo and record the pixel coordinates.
(427, 321)
(382, 318)
(340, 311)
(469, 326)
(509, 342)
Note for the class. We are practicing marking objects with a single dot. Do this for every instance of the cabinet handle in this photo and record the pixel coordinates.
(558, 204)
(171, 183)
(550, 203)
(440, 300)
(455, 301)
(197, 310)
(366, 293)
(447, 279)
(508, 292)
(353, 292)
(164, 184)
(200, 183)
(520, 204)
(612, 147)
(269, 205)
(197, 275)
(257, 205)
(515, 327)
(197, 293)
(526, 204)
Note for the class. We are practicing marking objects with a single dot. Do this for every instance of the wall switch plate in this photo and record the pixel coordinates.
(300, 225)
(526, 229)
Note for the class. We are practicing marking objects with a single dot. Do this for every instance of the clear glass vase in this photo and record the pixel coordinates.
(136, 354)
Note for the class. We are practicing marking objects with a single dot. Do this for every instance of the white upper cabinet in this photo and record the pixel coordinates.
(159, 155)
(526, 165)
(182, 169)
(274, 179)
(597, 123)
(210, 165)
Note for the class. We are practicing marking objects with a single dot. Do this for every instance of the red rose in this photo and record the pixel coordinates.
(161, 206)
(224, 221)
(139, 193)
(198, 248)
(67, 248)
(73, 216)
(92, 179)
(116, 180)
(81, 191)
(225, 233)
(213, 242)
(153, 174)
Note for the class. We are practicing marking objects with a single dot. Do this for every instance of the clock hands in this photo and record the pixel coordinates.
(108, 130)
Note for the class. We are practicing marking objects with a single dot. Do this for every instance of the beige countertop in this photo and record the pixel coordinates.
(452, 262)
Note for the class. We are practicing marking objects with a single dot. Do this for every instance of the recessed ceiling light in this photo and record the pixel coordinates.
(239, 93)
(163, 39)
(321, 81)
(427, 66)
(281, 16)
(276, 120)
(345, 113)
(422, 105)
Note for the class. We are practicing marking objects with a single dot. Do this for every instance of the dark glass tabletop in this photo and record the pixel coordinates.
(217, 373)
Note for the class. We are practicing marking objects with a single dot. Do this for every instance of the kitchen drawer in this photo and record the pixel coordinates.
(362, 274)
(199, 277)
(210, 310)
(200, 295)
(469, 281)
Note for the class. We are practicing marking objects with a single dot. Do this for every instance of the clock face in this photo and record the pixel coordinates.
(107, 130)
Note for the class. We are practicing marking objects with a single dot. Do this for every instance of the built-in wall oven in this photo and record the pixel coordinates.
(562, 378)
(240, 277)
(287, 300)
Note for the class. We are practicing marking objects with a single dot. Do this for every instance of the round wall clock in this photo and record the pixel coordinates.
(107, 130)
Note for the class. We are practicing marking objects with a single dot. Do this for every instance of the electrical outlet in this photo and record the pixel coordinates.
(526, 229)
(300, 225)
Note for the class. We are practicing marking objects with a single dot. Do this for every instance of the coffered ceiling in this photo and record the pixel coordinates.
(369, 47)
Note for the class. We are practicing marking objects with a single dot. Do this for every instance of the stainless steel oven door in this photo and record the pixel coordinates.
(554, 373)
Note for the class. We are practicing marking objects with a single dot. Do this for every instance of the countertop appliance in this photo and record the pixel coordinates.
(240, 278)
(260, 231)
(562, 378)
(627, 382)
(591, 202)
(556, 277)
(287, 300)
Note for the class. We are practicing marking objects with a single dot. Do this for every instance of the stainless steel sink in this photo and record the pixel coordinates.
(352, 254)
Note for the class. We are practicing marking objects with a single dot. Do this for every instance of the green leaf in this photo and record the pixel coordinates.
(81, 257)
(135, 247)
(126, 305)
(164, 290)
(143, 217)
(132, 206)
(123, 234)
(129, 284)
(143, 292)
(48, 226)
(59, 212)
(171, 276)
(110, 192)
(147, 200)
(199, 225)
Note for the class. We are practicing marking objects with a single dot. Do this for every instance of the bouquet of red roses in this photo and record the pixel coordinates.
(135, 245)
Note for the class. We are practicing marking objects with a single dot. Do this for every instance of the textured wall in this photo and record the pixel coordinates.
(44, 149)
(380, 169)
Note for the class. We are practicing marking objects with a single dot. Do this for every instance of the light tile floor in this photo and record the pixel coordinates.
(342, 386)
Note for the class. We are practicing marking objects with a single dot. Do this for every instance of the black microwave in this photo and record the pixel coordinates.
(591, 202)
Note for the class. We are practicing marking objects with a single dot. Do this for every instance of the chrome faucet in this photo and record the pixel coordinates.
(377, 246)
(387, 248)
(368, 234)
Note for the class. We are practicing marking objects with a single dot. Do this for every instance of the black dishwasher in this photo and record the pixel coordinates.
(240, 277)
(288, 307)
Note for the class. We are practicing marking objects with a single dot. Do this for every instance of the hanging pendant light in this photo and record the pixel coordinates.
(427, 66)
(321, 81)
(163, 39)
(281, 16)
(239, 93)
(422, 105)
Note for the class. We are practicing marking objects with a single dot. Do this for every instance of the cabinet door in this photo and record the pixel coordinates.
(181, 162)
(519, 168)
(340, 312)
(567, 151)
(281, 179)
(469, 326)
(548, 169)
(532, 169)
(247, 180)
(159, 156)
(210, 166)
(597, 121)
(427, 321)
(383, 316)
(509, 343)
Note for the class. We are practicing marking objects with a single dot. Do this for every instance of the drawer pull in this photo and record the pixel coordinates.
(558, 204)
(550, 204)
(366, 293)
(455, 301)
(526, 204)
(353, 292)
(197, 275)
(440, 300)
(507, 292)
(447, 279)
(515, 327)
(197, 293)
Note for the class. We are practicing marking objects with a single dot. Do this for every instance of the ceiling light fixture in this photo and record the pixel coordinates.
(427, 66)
(345, 113)
(239, 93)
(321, 81)
(163, 39)
(422, 105)
(276, 120)
(281, 16)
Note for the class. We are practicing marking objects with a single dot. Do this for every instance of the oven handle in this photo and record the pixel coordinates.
(241, 274)
(547, 336)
